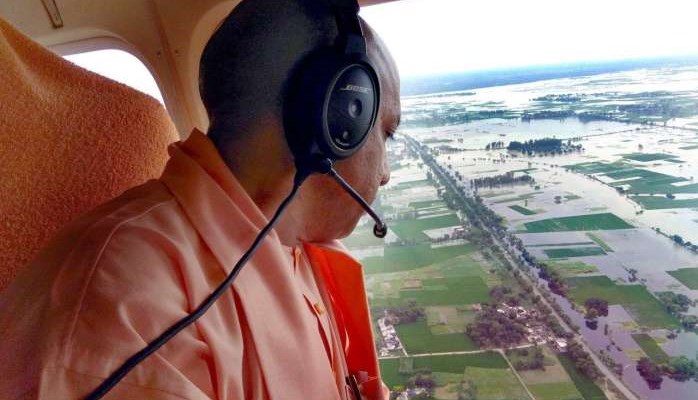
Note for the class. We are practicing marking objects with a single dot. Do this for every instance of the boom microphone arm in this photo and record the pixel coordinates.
(380, 229)
(322, 165)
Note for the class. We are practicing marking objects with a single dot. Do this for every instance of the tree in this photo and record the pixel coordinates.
(591, 314)
(682, 368)
(494, 329)
(406, 313)
(582, 361)
(678, 239)
(600, 306)
(689, 321)
(650, 372)
(590, 317)
(675, 303)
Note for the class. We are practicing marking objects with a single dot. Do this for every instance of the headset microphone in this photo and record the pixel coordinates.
(324, 166)
(380, 229)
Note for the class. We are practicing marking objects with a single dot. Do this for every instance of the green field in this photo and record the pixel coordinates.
(645, 309)
(410, 184)
(560, 244)
(585, 386)
(599, 241)
(555, 391)
(526, 355)
(645, 157)
(433, 212)
(687, 276)
(640, 181)
(568, 269)
(650, 347)
(405, 258)
(596, 167)
(457, 289)
(454, 363)
(362, 237)
(662, 202)
(445, 291)
(574, 252)
(590, 222)
(549, 383)
(411, 229)
(523, 210)
(462, 266)
(449, 319)
(517, 198)
(691, 147)
(487, 195)
(437, 140)
(417, 339)
(427, 203)
(495, 384)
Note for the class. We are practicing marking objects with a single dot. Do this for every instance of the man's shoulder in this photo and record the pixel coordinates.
(128, 245)
(132, 242)
(149, 206)
(93, 293)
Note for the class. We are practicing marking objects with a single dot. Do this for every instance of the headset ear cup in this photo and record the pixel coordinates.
(331, 106)
(303, 104)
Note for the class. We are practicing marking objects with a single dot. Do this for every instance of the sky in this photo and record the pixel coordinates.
(439, 36)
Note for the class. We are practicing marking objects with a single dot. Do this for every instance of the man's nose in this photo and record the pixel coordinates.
(385, 177)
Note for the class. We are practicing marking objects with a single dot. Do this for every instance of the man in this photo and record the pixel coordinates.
(295, 324)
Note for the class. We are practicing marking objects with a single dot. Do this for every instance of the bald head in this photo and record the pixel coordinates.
(245, 70)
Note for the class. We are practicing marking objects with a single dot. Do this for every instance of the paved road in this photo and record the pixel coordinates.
(506, 250)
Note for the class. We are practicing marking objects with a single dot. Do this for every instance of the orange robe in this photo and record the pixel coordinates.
(115, 278)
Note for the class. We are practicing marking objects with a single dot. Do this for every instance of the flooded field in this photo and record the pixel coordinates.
(615, 214)
(561, 191)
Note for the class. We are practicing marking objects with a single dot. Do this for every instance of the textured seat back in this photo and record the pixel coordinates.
(69, 140)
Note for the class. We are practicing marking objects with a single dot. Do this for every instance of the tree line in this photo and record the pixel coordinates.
(506, 179)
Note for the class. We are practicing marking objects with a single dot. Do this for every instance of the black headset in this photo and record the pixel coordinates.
(329, 111)
(333, 97)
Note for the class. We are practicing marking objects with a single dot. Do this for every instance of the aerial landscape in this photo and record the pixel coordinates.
(543, 240)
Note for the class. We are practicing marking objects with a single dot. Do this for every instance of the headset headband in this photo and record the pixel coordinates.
(347, 14)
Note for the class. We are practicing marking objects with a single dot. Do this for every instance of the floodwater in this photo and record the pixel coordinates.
(596, 339)
(477, 134)
(562, 193)
(599, 88)
(641, 248)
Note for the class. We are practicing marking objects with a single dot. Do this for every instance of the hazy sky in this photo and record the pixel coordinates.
(431, 36)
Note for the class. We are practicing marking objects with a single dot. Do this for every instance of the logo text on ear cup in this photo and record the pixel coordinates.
(355, 88)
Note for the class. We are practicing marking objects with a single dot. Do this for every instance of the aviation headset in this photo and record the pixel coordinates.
(329, 110)
(333, 97)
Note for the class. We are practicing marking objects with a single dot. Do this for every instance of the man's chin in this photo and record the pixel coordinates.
(335, 232)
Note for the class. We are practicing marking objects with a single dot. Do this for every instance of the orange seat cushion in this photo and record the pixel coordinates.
(69, 140)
